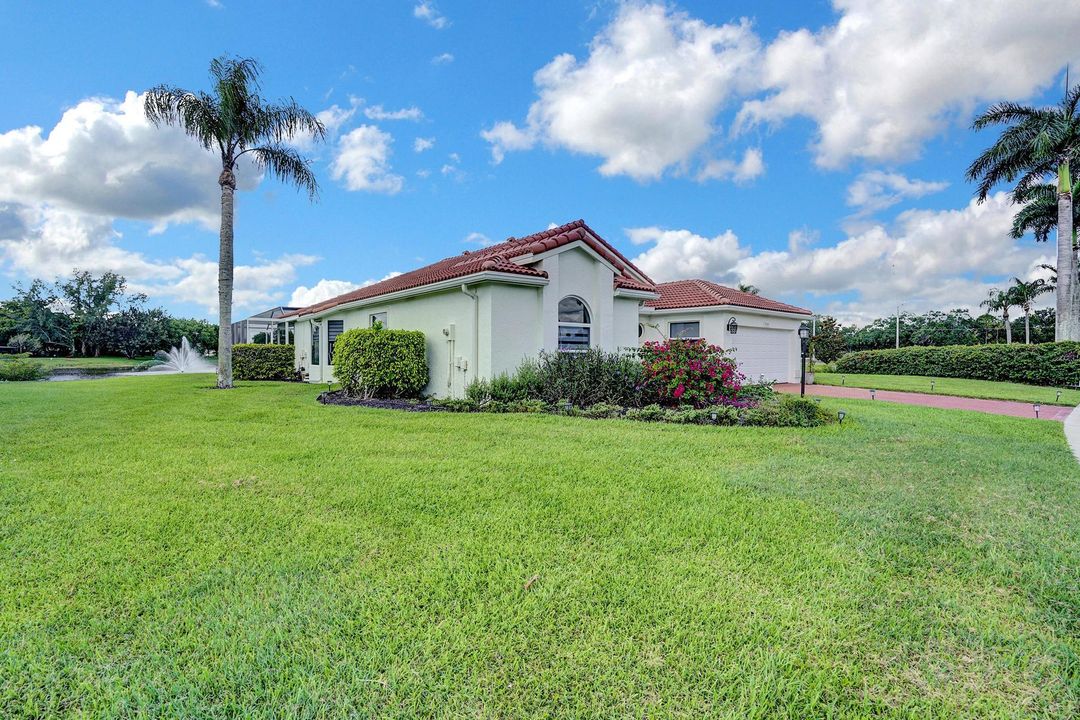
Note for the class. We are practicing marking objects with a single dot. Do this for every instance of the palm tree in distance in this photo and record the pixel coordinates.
(1038, 143)
(1024, 294)
(748, 288)
(235, 121)
(1000, 301)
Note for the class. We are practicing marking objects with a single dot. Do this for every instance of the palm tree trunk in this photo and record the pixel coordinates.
(1027, 326)
(225, 281)
(1067, 302)
(1008, 327)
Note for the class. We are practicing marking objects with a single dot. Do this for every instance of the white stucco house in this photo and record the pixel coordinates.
(484, 311)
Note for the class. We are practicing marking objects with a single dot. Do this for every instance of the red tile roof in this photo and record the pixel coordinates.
(499, 259)
(702, 293)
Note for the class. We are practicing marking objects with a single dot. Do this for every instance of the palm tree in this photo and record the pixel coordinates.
(235, 121)
(1038, 143)
(748, 288)
(1000, 301)
(1040, 210)
(1024, 294)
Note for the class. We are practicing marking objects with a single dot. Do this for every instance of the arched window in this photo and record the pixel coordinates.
(574, 324)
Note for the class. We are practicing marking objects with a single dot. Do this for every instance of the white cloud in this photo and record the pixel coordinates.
(751, 167)
(679, 254)
(876, 190)
(478, 238)
(443, 59)
(892, 73)
(421, 144)
(363, 161)
(427, 12)
(377, 112)
(645, 98)
(323, 290)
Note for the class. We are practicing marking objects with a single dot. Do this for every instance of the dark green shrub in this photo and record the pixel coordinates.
(584, 378)
(755, 393)
(649, 413)
(787, 411)
(375, 362)
(602, 410)
(456, 404)
(1055, 364)
(19, 369)
(263, 362)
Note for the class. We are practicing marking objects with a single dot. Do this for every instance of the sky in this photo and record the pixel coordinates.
(816, 150)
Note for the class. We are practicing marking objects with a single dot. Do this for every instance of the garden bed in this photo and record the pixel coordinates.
(338, 397)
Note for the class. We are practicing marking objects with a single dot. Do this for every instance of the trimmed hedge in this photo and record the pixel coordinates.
(263, 362)
(1054, 364)
(380, 363)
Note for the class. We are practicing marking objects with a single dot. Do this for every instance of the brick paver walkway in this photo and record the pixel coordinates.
(948, 402)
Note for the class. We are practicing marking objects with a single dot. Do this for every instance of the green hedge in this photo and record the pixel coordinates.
(1054, 364)
(21, 368)
(381, 363)
(263, 362)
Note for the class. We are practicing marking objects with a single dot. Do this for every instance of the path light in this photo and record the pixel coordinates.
(1058, 396)
(568, 406)
(1038, 407)
(932, 382)
(817, 400)
(712, 416)
(873, 394)
(841, 415)
(843, 379)
(328, 388)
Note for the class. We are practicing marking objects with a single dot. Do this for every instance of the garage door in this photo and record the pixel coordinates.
(761, 351)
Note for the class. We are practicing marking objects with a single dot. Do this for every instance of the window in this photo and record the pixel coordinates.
(574, 328)
(377, 318)
(684, 330)
(315, 343)
(333, 329)
(640, 329)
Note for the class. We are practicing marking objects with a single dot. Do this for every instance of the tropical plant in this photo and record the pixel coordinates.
(1039, 214)
(1024, 294)
(1036, 144)
(748, 288)
(235, 121)
(1000, 301)
(34, 312)
(690, 372)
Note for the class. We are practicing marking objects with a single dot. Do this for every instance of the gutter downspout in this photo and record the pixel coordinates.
(476, 327)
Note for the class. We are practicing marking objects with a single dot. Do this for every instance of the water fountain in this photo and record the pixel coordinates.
(184, 359)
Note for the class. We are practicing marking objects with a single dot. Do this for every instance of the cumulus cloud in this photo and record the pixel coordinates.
(749, 168)
(362, 161)
(325, 289)
(892, 73)
(877, 190)
(377, 112)
(479, 239)
(443, 59)
(430, 14)
(679, 254)
(421, 144)
(645, 98)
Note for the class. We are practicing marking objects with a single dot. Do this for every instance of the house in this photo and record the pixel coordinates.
(483, 312)
(265, 327)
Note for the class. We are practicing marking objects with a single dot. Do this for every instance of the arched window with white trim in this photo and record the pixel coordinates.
(575, 324)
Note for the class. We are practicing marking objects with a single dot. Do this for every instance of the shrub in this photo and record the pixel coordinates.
(602, 410)
(690, 372)
(755, 393)
(1046, 364)
(582, 378)
(649, 413)
(788, 411)
(381, 363)
(263, 362)
(19, 369)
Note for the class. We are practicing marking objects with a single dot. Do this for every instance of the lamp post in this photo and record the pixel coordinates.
(804, 341)
(898, 325)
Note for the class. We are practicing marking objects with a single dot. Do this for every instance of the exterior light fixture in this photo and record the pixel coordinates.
(328, 387)
(804, 341)
(568, 406)
(840, 416)
(1058, 396)
(1038, 407)
(733, 326)
(932, 383)
(817, 400)
(843, 379)
(712, 415)
(873, 394)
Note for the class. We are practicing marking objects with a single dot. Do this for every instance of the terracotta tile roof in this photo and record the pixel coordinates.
(702, 293)
(498, 258)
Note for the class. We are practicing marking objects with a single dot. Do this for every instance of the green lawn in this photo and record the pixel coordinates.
(171, 550)
(954, 386)
(87, 363)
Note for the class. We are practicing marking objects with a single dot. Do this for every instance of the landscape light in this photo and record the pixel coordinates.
(712, 416)
(328, 387)
(569, 406)
(873, 394)
(1038, 407)
(843, 379)
(1058, 396)
(840, 416)
(932, 385)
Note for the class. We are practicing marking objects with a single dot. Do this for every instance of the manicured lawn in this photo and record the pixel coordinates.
(168, 549)
(88, 363)
(954, 386)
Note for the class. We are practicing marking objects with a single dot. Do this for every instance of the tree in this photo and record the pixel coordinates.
(234, 121)
(748, 288)
(1038, 215)
(828, 341)
(90, 300)
(33, 312)
(1038, 143)
(136, 331)
(1024, 294)
(1000, 301)
(201, 334)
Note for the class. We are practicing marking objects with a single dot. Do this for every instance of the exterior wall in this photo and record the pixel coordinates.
(574, 271)
(714, 329)
(514, 331)
(626, 318)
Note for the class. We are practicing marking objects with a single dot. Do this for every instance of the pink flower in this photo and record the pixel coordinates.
(679, 391)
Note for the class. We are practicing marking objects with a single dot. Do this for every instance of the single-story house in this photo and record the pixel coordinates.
(484, 311)
(266, 327)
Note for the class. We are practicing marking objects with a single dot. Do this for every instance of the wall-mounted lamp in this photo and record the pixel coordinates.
(733, 326)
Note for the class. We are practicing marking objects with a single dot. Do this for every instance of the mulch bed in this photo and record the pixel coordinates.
(338, 397)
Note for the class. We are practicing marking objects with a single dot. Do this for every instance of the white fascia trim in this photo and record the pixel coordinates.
(727, 308)
(452, 284)
(636, 294)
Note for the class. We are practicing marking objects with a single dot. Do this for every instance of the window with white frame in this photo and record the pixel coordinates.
(574, 324)
(314, 343)
(333, 329)
(684, 330)
(377, 318)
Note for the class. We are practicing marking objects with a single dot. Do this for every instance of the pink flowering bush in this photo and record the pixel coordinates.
(690, 372)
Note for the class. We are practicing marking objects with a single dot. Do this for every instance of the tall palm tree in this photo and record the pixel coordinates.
(1024, 294)
(1000, 301)
(1038, 143)
(235, 121)
(748, 288)
(1039, 214)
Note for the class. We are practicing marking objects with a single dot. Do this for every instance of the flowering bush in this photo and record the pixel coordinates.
(691, 372)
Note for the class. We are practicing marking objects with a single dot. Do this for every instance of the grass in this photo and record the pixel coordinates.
(954, 386)
(171, 550)
(87, 363)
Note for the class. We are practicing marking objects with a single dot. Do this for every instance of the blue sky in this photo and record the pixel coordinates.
(816, 150)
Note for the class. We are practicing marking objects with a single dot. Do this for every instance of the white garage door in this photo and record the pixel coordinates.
(761, 351)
